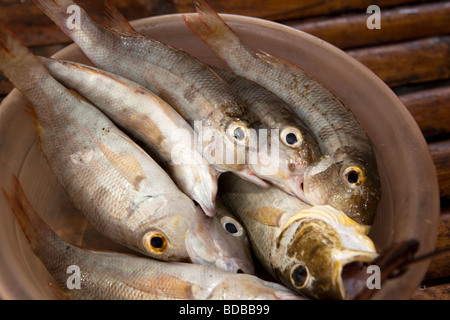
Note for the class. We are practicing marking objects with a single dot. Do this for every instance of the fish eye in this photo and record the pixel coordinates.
(232, 226)
(354, 176)
(155, 242)
(238, 132)
(291, 137)
(299, 275)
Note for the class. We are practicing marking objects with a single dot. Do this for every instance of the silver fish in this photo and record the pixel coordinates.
(163, 133)
(313, 250)
(190, 87)
(346, 176)
(120, 190)
(118, 276)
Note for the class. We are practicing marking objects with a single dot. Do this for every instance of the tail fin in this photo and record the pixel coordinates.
(208, 25)
(62, 11)
(35, 229)
(115, 21)
(18, 63)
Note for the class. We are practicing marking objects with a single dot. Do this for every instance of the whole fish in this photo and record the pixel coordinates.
(346, 176)
(163, 133)
(210, 106)
(97, 275)
(293, 140)
(313, 250)
(118, 187)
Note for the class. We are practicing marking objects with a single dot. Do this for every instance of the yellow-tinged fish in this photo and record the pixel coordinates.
(346, 176)
(313, 250)
(118, 187)
(97, 275)
(163, 133)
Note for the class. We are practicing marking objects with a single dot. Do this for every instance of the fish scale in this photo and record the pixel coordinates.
(288, 235)
(118, 187)
(189, 86)
(149, 120)
(116, 276)
(346, 148)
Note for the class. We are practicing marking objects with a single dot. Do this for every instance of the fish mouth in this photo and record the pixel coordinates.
(351, 272)
(207, 192)
(334, 250)
(292, 185)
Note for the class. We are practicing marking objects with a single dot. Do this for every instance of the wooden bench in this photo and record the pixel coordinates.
(411, 53)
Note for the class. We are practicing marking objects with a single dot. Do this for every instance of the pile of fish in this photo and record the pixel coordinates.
(169, 157)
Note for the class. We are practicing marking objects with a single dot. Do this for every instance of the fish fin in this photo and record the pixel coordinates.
(172, 287)
(34, 228)
(17, 61)
(115, 21)
(251, 177)
(276, 61)
(126, 164)
(59, 293)
(57, 11)
(269, 216)
(208, 25)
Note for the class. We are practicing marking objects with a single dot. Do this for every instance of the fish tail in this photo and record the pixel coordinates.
(71, 18)
(208, 25)
(35, 229)
(17, 62)
(58, 11)
(115, 21)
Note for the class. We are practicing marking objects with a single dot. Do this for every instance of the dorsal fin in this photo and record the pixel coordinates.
(115, 21)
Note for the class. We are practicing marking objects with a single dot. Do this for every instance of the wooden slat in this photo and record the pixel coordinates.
(292, 9)
(440, 152)
(34, 28)
(431, 110)
(410, 62)
(398, 24)
(440, 292)
(440, 265)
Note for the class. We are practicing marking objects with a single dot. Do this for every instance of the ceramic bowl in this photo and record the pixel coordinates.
(409, 207)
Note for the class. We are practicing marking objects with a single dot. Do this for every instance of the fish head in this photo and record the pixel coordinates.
(247, 287)
(162, 227)
(220, 241)
(319, 249)
(349, 184)
(224, 144)
(283, 156)
(199, 182)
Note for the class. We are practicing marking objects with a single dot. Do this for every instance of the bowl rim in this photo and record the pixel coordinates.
(364, 71)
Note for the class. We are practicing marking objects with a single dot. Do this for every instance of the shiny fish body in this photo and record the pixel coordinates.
(272, 112)
(190, 87)
(116, 276)
(307, 248)
(346, 176)
(120, 190)
(150, 120)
